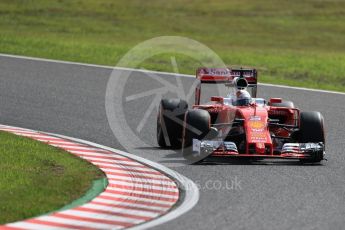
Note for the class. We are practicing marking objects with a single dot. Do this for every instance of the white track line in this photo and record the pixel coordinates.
(152, 71)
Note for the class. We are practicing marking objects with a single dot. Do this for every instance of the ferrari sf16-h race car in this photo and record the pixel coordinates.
(239, 126)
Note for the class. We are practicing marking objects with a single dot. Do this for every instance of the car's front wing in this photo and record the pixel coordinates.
(229, 149)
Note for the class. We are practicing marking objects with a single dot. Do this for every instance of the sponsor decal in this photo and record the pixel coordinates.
(257, 130)
(257, 140)
(256, 124)
(255, 118)
(246, 73)
(257, 136)
(218, 72)
(225, 72)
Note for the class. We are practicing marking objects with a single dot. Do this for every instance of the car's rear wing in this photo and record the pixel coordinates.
(224, 76)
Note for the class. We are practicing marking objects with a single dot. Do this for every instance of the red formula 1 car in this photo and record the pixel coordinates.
(239, 127)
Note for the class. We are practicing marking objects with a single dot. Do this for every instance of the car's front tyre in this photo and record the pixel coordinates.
(312, 131)
(196, 126)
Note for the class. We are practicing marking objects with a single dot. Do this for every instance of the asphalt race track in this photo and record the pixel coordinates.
(70, 100)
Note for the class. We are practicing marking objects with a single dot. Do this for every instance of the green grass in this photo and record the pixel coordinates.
(37, 178)
(295, 42)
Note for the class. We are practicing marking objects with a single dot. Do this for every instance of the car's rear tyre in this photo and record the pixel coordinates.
(285, 104)
(196, 126)
(312, 131)
(170, 122)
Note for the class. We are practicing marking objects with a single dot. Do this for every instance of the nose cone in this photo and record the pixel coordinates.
(260, 148)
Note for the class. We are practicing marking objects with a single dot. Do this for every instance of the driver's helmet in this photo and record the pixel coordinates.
(242, 98)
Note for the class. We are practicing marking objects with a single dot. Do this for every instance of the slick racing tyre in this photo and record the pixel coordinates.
(170, 122)
(312, 131)
(196, 126)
